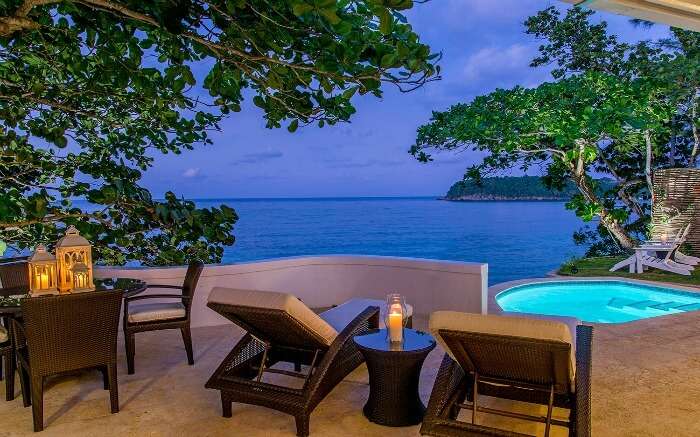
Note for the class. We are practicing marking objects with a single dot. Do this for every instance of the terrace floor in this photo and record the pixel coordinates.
(646, 382)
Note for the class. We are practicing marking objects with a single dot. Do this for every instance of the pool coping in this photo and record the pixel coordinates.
(494, 308)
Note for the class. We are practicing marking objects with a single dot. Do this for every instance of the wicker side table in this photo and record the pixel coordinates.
(394, 373)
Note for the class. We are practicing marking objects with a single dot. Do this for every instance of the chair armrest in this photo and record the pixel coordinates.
(19, 336)
(356, 327)
(584, 337)
(157, 296)
(361, 324)
(449, 387)
(128, 300)
(174, 287)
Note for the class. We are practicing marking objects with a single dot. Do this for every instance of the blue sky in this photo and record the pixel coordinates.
(484, 47)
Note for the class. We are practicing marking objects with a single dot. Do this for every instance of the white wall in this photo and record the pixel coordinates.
(320, 281)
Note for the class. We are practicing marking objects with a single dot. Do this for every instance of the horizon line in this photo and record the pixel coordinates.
(314, 197)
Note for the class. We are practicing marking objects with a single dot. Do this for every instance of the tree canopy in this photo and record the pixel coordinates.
(614, 109)
(91, 91)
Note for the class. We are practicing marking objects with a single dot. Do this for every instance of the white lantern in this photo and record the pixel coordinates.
(42, 272)
(72, 251)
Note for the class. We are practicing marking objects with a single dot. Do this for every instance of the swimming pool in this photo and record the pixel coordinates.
(597, 301)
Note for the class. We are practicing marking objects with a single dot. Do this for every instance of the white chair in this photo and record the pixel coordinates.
(661, 255)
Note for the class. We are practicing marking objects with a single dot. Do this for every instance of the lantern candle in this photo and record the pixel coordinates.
(395, 317)
(43, 279)
(395, 325)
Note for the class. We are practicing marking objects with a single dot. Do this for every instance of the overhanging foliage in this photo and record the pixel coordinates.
(92, 90)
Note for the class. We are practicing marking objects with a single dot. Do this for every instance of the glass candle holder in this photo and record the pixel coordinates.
(395, 318)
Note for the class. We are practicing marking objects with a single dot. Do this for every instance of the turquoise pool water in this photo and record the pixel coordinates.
(598, 301)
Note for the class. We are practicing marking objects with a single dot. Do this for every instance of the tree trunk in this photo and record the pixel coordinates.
(623, 184)
(647, 165)
(693, 124)
(612, 225)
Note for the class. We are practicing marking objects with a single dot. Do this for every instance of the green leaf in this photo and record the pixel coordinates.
(385, 22)
(331, 16)
(301, 8)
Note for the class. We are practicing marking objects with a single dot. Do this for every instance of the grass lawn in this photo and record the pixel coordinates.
(600, 267)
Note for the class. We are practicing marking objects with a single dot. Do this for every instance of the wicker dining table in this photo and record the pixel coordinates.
(10, 298)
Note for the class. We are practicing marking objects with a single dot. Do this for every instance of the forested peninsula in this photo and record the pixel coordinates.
(511, 188)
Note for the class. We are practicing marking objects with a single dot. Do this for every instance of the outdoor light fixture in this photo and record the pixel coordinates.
(74, 262)
(42, 272)
(395, 317)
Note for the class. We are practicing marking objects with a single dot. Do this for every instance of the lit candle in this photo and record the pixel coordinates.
(44, 279)
(395, 324)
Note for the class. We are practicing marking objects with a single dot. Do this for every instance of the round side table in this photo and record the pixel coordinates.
(394, 373)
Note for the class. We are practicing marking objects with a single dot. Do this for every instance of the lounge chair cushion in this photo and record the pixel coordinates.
(541, 328)
(570, 322)
(276, 301)
(340, 316)
(3, 335)
(150, 312)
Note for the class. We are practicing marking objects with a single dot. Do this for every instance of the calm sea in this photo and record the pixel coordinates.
(516, 239)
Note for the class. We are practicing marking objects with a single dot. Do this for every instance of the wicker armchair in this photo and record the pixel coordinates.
(14, 279)
(60, 334)
(14, 276)
(519, 365)
(281, 329)
(7, 361)
(141, 317)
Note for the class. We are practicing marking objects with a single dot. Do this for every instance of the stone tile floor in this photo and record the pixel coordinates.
(646, 383)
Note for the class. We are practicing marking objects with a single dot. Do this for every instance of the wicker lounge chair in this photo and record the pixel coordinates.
(60, 334)
(142, 317)
(512, 358)
(281, 329)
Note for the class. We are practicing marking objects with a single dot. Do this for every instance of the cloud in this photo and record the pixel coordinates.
(256, 157)
(497, 61)
(191, 173)
(356, 132)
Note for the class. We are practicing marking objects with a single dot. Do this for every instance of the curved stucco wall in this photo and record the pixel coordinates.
(321, 281)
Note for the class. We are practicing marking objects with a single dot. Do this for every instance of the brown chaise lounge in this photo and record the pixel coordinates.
(281, 329)
(516, 358)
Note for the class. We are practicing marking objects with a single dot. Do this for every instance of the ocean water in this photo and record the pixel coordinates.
(517, 239)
